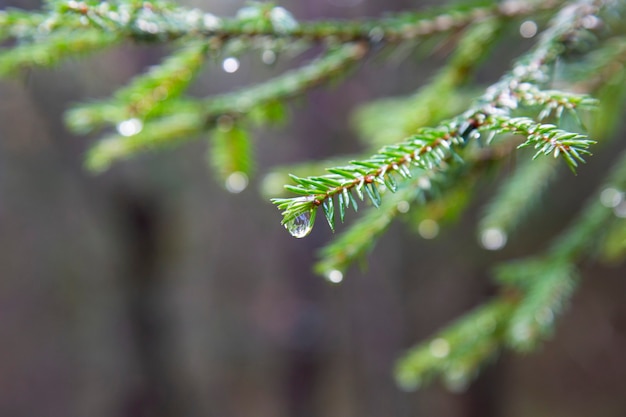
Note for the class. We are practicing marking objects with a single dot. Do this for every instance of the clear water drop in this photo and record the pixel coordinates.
(424, 183)
(300, 226)
(268, 57)
(611, 197)
(335, 276)
(129, 127)
(545, 316)
(521, 332)
(439, 348)
(591, 22)
(456, 380)
(230, 64)
(493, 238)
(403, 206)
(252, 12)
(211, 22)
(236, 182)
(620, 210)
(428, 229)
(376, 34)
(528, 29)
(147, 26)
(408, 382)
(282, 20)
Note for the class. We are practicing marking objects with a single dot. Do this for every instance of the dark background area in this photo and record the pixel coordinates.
(151, 291)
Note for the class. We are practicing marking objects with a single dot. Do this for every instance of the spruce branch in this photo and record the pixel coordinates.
(192, 118)
(457, 352)
(15, 23)
(230, 152)
(431, 149)
(437, 198)
(160, 21)
(427, 164)
(593, 220)
(388, 120)
(547, 282)
(546, 286)
(434, 148)
(146, 94)
(361, 237)
(547, 139)
(54, 48)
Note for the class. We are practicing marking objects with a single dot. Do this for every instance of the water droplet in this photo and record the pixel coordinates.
(611, 197)
(376, 34)
(335, 276)
(268, 57)
(301, 225)
(129, 127)
(424, 183)
(403, 206)
(236, 182)
(230, 65)
(194, 17)
(544, 317)
(211, 22)
(252, 12)
(620, 210)
(408, 382)
(428, 229)
(528, 29)
(521, 332)
(591, 22)
(493, 238)
(282, 20)
(439, 348)
(456, 380)
(147, 26)
(507, 100)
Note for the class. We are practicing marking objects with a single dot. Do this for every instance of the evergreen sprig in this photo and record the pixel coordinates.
(436, 143)
(162, 21)
(457, 353)
(193, 117)
(429, 148)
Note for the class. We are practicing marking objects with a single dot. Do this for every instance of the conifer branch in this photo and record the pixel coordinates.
(572, 245)
(361, 237)
(160, 21)
(388, 120)
(546, 286)
(548, 281)
(546, 138)
(427, 164)
(194, 117)
(458, 351)
(53, 49)
(432, 149)
(146, 94)
(436, 197)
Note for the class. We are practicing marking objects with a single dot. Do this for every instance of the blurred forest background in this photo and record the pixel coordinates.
(151, 291)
